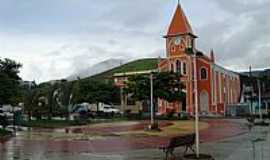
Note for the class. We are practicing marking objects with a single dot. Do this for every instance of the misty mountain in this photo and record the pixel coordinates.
(97, 68)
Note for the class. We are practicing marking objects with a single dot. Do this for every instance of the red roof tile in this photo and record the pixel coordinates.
(179, 23)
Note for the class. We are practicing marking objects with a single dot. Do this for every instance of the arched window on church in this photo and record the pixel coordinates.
(184, 68)
(203, 74)
(172, 67)
(178, 66)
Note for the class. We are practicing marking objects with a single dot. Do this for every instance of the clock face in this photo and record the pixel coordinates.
(177, 41)
(177, 45)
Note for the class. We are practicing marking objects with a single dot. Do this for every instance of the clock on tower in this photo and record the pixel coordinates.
(177, 45)
(180, 35)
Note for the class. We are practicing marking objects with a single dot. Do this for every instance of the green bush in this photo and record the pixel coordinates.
(4, 132)
(3, 121)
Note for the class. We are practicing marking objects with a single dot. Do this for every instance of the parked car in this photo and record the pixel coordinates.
(81, 111)
(78, 108)
(110, 109)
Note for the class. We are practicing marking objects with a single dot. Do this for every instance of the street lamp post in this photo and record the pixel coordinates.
(14, 122)
(251, 92)
(152, 104)
(197, 139)
(69, 105)
(260, 99)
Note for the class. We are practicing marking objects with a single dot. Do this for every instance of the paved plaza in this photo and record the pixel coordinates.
(242, 144)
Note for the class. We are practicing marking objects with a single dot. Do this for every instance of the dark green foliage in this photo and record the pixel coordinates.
(3, 121)
(10, 92)
(9, 89)
(48, 100)
(10, 68)
(166, 86)
(51, 97)
(4, 133)
(64, 98)
(30, 101)
(93, 91)
(139, 87)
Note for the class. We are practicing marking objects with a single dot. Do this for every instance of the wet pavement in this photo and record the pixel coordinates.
(26, 145)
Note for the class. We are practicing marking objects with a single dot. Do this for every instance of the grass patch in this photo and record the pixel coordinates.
(68, 123)
(178, 128)
(134, 66)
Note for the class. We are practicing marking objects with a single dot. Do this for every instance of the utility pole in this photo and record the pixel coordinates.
(152, 104)
(260, 98)
(197, 139)
(122, 100)
(251, 91)
(69, 105)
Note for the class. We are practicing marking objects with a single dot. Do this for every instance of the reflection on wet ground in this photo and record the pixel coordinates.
(57, 144)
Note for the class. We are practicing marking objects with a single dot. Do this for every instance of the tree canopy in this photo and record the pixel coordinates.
(167, 86)
(93, 91)
(11, 68)
(10, 92)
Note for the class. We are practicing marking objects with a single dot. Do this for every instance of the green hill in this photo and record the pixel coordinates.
(134, 66)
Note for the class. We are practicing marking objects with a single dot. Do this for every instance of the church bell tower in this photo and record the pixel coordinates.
(180, 37)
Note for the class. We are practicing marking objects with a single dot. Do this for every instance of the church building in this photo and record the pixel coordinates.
(217, 87)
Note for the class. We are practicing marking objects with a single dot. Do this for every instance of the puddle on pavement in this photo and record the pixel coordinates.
(34, 144)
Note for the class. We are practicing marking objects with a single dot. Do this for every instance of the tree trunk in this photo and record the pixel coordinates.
(67, 114)
(29, 116)
(50, 111)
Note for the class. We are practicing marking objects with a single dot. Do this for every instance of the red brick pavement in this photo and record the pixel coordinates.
(218, 129)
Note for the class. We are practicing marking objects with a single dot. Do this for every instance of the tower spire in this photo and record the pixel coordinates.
(179, 23)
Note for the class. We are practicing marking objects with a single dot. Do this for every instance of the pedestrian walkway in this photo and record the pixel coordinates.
(255, 145)
(250, 146)
(224, 140)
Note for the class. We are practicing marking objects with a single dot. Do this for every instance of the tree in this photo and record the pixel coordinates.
(30, 100)
(40, 103)
(64, 97)
(94, 91)
(51, 97)
(10, 68)
(9, 88)
(167, 86)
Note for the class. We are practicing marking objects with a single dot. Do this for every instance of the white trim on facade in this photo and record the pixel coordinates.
(220, 87)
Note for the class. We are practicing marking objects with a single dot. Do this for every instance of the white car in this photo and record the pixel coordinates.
(110, 109)
(8, 115)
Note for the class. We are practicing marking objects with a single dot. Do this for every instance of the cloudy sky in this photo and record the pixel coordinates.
(55, 38)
